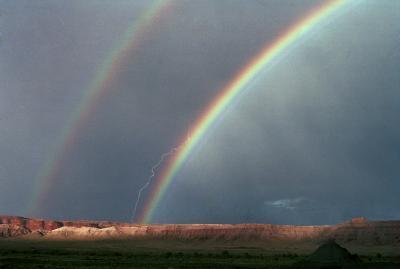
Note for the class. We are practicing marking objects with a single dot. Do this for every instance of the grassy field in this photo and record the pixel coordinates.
(151, 254)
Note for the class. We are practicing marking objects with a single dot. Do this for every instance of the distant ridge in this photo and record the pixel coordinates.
(358, 230)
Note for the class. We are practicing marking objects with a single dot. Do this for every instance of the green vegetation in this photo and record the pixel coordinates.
(37, 254)
(108, 259)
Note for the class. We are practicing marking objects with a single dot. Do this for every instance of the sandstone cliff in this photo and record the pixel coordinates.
(357, 230)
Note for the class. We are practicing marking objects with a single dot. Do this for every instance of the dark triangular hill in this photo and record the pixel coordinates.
(330, 255)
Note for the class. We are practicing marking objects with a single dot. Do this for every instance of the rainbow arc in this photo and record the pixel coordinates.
(99, 88)
(228, 95)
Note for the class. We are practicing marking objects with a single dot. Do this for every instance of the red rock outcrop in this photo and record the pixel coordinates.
(359, 230)
(11, 230)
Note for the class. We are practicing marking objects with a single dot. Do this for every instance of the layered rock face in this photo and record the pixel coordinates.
(368, 232)
(358, 230)
(12, 226)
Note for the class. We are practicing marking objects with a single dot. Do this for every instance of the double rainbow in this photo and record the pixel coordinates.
(101, 86)
(227, 96)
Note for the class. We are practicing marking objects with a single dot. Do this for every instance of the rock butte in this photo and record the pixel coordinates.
(359, 230)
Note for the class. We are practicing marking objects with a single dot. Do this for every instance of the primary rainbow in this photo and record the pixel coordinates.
(99, 87)
(225, 98)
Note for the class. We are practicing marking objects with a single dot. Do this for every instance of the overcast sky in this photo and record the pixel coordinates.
(314, 140)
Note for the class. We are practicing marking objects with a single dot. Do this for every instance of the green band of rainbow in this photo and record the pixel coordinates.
(99, 87)
(225, 98)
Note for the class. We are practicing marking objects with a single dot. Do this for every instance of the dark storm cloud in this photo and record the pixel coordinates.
(320, 126)
(311, 143)
(47, 60)
(180, 66)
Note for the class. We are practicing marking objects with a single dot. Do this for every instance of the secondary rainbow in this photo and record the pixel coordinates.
(227, 95)
(99, 87)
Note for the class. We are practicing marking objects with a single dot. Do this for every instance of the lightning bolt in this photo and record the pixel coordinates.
(153, 172)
